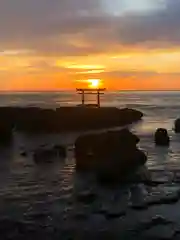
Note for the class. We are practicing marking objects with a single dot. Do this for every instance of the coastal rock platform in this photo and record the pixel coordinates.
(65, 119)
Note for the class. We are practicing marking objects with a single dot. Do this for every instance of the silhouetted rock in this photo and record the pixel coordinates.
(162, 137)
(177, 125)
(114, 212)
(87, 197)
(121, 169)
(43, 145)
(34, 120)
(93, 148)
(5, 133)
(61, 150)
(23, 154)
(113, 155)
(149, 224)
(172, 198)
(140, 206)
(45, 155)
(160, 232)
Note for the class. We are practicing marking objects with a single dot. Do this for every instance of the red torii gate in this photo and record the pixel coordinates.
(96, 91)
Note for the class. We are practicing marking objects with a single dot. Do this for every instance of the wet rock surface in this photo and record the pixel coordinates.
(161, 137)
(113, 156)
(159, 232)
(177, 125)
(6, 135)
(23, 153)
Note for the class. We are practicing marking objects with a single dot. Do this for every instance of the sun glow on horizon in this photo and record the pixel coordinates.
(94, 83)
(90, 83)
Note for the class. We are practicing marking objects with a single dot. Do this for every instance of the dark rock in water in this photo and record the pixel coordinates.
(88, 105)
(113, 155)
(154, 221)
(160, 232)
(121, 169)
(23, 154)
(65, 119)
(176, 177)
(80, 216)
(90, 148)
(177, 125)
(162, 137)
(139, 207)
(114, 213)
(61, 150)
(44, 155)
(87, 197)
(5, 133)
(158, 220)
(171, 199)
(43, 145)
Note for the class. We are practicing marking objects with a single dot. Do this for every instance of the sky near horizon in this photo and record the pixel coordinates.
(129, 44)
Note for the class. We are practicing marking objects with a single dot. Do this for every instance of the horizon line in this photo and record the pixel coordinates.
(74, 90)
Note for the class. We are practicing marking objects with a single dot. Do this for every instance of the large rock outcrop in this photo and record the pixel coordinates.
(5, 133)
(113, 155)
(36, 120)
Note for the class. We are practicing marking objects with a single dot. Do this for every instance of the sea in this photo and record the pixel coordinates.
(46, 193)
(160, 109)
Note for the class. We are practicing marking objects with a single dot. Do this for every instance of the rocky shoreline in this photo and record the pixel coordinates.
(64, 119)
(130, 212)
(127, 208)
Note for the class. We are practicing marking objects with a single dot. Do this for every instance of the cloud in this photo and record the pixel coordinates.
(159, 27)
(81, 27)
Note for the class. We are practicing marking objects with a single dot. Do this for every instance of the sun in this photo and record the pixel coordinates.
(94, 83)
(90, 83)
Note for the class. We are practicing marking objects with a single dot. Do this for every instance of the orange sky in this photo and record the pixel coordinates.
(128, 71)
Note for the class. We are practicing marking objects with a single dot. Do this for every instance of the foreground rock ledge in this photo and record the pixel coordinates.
(64, 119)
